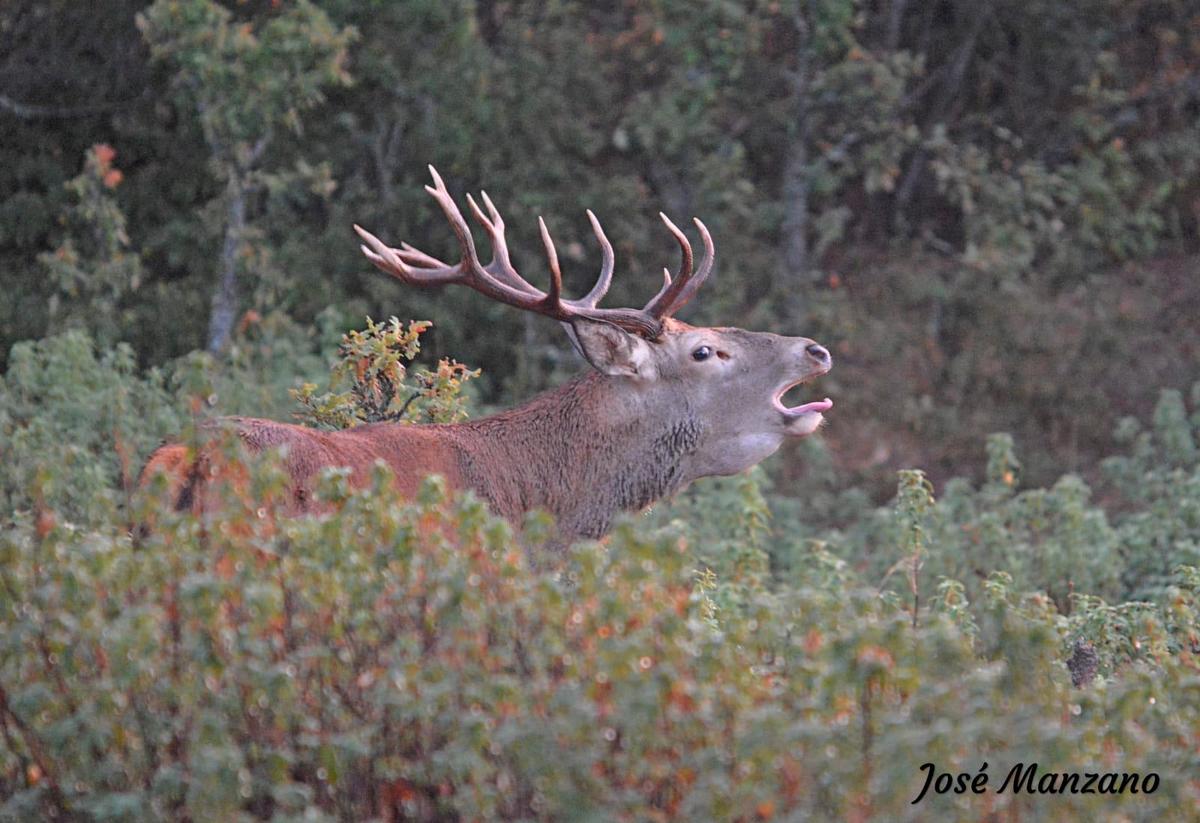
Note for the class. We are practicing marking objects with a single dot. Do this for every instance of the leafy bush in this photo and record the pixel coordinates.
(723, 658)
(374, 367)
(93, 268)
(402, 660)
(74, 423)
(1159, 481)
(1054, 540)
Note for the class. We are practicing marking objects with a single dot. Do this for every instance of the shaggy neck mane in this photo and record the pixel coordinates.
(583, 452)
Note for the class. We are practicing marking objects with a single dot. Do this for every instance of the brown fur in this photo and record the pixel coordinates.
(547, 454)
(305, 453)
(171, 461)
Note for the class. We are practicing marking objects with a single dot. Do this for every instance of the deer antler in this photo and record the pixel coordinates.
(676, 292)
(500, 281)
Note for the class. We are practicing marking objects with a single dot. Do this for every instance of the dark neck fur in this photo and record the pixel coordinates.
(584, 452)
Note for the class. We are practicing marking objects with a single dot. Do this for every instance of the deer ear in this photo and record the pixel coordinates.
(611, 350)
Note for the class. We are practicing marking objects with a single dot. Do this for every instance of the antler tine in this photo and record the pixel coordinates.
(554, 297)
(414, 256)
(378, 253)
(706, 267)
(501, 266)
(458, 224)
(492, 210)
(685, 248)
(390, 261)
(607, 263)
(418, 268)
(660, 305)
(415, 266)
(663, 288)
(490, 226)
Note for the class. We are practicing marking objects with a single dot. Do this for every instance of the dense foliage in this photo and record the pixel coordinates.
(403, 661)
(724, 658)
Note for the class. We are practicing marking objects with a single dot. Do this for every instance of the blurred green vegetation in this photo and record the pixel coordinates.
(988, 211)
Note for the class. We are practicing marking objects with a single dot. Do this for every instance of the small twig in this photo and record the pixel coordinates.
(400, 414)
(33, 111)
(38, 752)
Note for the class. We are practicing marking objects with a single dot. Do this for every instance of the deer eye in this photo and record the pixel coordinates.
(702, 353)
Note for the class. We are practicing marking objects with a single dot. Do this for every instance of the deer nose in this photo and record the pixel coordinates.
(818, 353)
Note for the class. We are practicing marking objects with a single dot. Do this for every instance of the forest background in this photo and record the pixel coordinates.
(988, 210)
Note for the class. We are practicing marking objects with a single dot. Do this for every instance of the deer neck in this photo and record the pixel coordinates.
(584, 452)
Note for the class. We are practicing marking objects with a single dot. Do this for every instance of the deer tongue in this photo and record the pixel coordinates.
(816, 406)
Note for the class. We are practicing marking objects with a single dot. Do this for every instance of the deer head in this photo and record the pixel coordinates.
(729, 381)
(718, 390)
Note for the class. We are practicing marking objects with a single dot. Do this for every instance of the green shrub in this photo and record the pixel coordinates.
(74, 424)
(403, 660)
(1159, 482)
(1055, 540)
(375, 368)
(721, 659)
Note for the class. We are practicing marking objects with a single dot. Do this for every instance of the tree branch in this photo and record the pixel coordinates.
(34, 111)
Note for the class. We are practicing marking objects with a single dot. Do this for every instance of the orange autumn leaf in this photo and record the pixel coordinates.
(250, 318)
(104, 154)
(876, 656)
(45, 523)
(224, 567)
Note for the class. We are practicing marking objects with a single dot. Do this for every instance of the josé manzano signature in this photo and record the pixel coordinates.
(1026, 778)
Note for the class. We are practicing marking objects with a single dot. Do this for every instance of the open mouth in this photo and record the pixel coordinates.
(816, 407)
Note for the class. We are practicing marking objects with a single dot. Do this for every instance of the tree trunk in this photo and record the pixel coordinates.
(224, 303)
(956, 72)
(793, 277)
(895, 24)
(795, 205)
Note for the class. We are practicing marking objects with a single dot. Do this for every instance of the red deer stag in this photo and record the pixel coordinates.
(663, 402)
